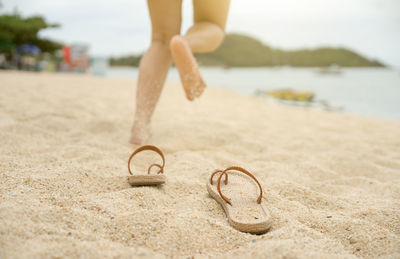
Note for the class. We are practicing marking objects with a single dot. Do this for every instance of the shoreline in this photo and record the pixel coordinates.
(356, 91)
(331, 180)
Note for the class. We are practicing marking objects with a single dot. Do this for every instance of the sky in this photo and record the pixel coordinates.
(120, 27)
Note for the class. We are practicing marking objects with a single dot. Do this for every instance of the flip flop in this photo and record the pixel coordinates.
(142, 179)
(244, 212)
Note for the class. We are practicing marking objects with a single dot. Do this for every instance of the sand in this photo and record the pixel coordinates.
(331, 181)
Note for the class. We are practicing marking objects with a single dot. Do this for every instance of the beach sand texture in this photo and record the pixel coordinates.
(331, 181)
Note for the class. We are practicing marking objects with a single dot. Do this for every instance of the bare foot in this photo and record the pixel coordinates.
(139, 133)
(187, 66)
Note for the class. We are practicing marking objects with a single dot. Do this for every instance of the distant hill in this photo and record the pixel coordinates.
(132, 61)
(243, 51)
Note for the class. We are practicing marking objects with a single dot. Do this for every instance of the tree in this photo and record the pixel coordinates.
(16, 30)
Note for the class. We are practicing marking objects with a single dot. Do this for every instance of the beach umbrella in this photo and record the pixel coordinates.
(28, 48)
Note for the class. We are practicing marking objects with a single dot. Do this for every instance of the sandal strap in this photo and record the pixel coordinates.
(152, 148)
(225, 172)
(218, 171)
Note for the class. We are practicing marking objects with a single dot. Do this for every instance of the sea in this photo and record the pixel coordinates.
(372, 92)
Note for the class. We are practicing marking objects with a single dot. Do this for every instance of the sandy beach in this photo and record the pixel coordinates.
(331, 181)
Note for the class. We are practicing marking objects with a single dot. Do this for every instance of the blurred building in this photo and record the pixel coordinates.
(76, 58)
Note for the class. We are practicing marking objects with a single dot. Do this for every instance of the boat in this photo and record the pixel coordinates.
(291, 95)
(330, 70)
(296, 98)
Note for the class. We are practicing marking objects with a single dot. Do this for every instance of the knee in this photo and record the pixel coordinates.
(219, 36)
(163, 37)
(215, 40)
(205, 36)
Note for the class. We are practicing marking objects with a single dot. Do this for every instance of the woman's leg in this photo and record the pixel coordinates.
(205, 35)
(208, 30)
(166, 22)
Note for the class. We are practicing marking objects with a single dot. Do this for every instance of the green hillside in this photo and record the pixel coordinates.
(243, 51)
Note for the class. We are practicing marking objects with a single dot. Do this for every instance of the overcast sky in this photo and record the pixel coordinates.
(118, 27)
